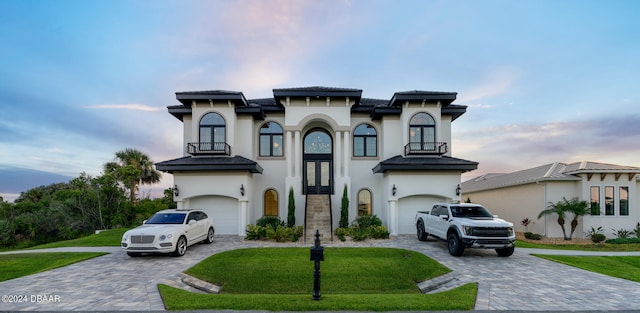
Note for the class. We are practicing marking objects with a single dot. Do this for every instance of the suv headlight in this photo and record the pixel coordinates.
(124, 237)
(511, 232)
(468, 230)
(163, 237)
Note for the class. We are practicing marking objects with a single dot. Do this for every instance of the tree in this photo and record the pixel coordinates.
(132, 168)
(291, 213)
(574, 206)
(577, 208)
(344, 209)
(559, 209)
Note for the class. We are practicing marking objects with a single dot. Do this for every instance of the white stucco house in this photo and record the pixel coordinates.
(242, 156)
(612, 191)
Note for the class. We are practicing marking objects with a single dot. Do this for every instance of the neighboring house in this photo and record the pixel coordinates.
(612, 191)
(242, 156)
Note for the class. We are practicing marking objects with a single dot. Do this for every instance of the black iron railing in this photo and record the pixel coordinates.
(428, 148)
(198, 148)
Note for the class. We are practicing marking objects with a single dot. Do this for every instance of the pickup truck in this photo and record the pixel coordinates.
(466, 225)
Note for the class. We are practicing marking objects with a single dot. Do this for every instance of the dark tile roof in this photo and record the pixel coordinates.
(427, 163)
(234, 163)
(376, 108)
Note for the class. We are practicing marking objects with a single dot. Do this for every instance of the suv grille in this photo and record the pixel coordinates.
(142, 238)
(491, 232)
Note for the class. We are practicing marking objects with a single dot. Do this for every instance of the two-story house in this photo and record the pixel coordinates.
(243, 156)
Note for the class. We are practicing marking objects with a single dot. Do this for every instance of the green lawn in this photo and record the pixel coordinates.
(111, 237)
(23, 264)
(587, 247)
(626, 267)
(370, 279)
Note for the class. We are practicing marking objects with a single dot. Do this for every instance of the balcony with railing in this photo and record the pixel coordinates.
(425, 148)
(208, 148)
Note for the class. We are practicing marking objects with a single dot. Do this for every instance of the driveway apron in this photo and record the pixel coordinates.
(117, 282)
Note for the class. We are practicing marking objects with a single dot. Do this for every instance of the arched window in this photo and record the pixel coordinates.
(365, 141)
(271, 202)
(364, 202)
(212, 132)
(422, 132)
(271, 140)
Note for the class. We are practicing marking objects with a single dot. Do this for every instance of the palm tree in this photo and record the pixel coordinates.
(577, 208)
(560, 209)
(132, 168)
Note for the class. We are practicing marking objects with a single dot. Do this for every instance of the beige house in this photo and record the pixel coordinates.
(613, 193)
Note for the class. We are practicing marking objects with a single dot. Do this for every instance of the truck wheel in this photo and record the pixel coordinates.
(505, 251)
(181, 246)
(422, 234)
(454, 244)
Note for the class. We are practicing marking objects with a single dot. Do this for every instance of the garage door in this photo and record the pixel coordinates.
(407, 208)
(224, 211)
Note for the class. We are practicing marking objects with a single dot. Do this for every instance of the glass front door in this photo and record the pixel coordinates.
(318, 162)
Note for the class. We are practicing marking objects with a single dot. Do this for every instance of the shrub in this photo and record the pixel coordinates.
(342, 233)
(255, 232)
(279, 233)
(597, 238)
(621, 233)
(273, 221)
(623, 240)
(532, 236)
(636, 231)
(379, 232)
(367, 221)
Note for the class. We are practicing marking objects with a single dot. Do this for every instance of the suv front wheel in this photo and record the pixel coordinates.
(455, 244)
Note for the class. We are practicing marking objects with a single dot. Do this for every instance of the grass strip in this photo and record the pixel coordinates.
(23, 264)
(344, 271)
(581, 247)
(625, 267)
(461, 298)
(106, 238)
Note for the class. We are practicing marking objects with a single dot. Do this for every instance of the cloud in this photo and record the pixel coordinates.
(138, 107)
(495, 82)
(510, 147)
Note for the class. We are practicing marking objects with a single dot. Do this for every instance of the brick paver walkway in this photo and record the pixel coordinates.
(117, 282)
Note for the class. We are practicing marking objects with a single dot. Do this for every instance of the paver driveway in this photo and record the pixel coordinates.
(520, 282)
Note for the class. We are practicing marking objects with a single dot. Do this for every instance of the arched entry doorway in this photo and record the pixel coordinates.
(318, 162)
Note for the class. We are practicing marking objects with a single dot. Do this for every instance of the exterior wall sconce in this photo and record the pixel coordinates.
(242, 189)
(176, 192)
(458, 190)
(394, 189)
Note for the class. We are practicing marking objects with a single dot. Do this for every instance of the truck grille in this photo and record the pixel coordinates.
(491, 232)
(142, 238)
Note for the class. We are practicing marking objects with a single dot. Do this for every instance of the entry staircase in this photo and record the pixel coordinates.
(318, 217)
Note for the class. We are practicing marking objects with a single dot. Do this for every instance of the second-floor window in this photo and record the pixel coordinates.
(365, 141)
(212, 132)
(271, 139)
(422, 132)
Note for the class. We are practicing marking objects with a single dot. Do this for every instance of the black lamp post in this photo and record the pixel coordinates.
(317, 255)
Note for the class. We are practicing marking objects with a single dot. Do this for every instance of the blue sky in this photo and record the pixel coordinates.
(545, 81)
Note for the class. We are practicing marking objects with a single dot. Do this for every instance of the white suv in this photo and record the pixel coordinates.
(169, 231)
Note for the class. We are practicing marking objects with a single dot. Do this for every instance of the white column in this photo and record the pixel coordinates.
(180, 205)
(346, 153)
(297, 155)
(338, 155)
(393, 217)
(288, 149)
(242, 217)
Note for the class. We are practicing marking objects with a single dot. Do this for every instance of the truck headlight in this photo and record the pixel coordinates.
(511, 232)
(468, 230)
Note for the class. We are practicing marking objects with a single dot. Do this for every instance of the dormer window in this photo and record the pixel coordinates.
(271, 140)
